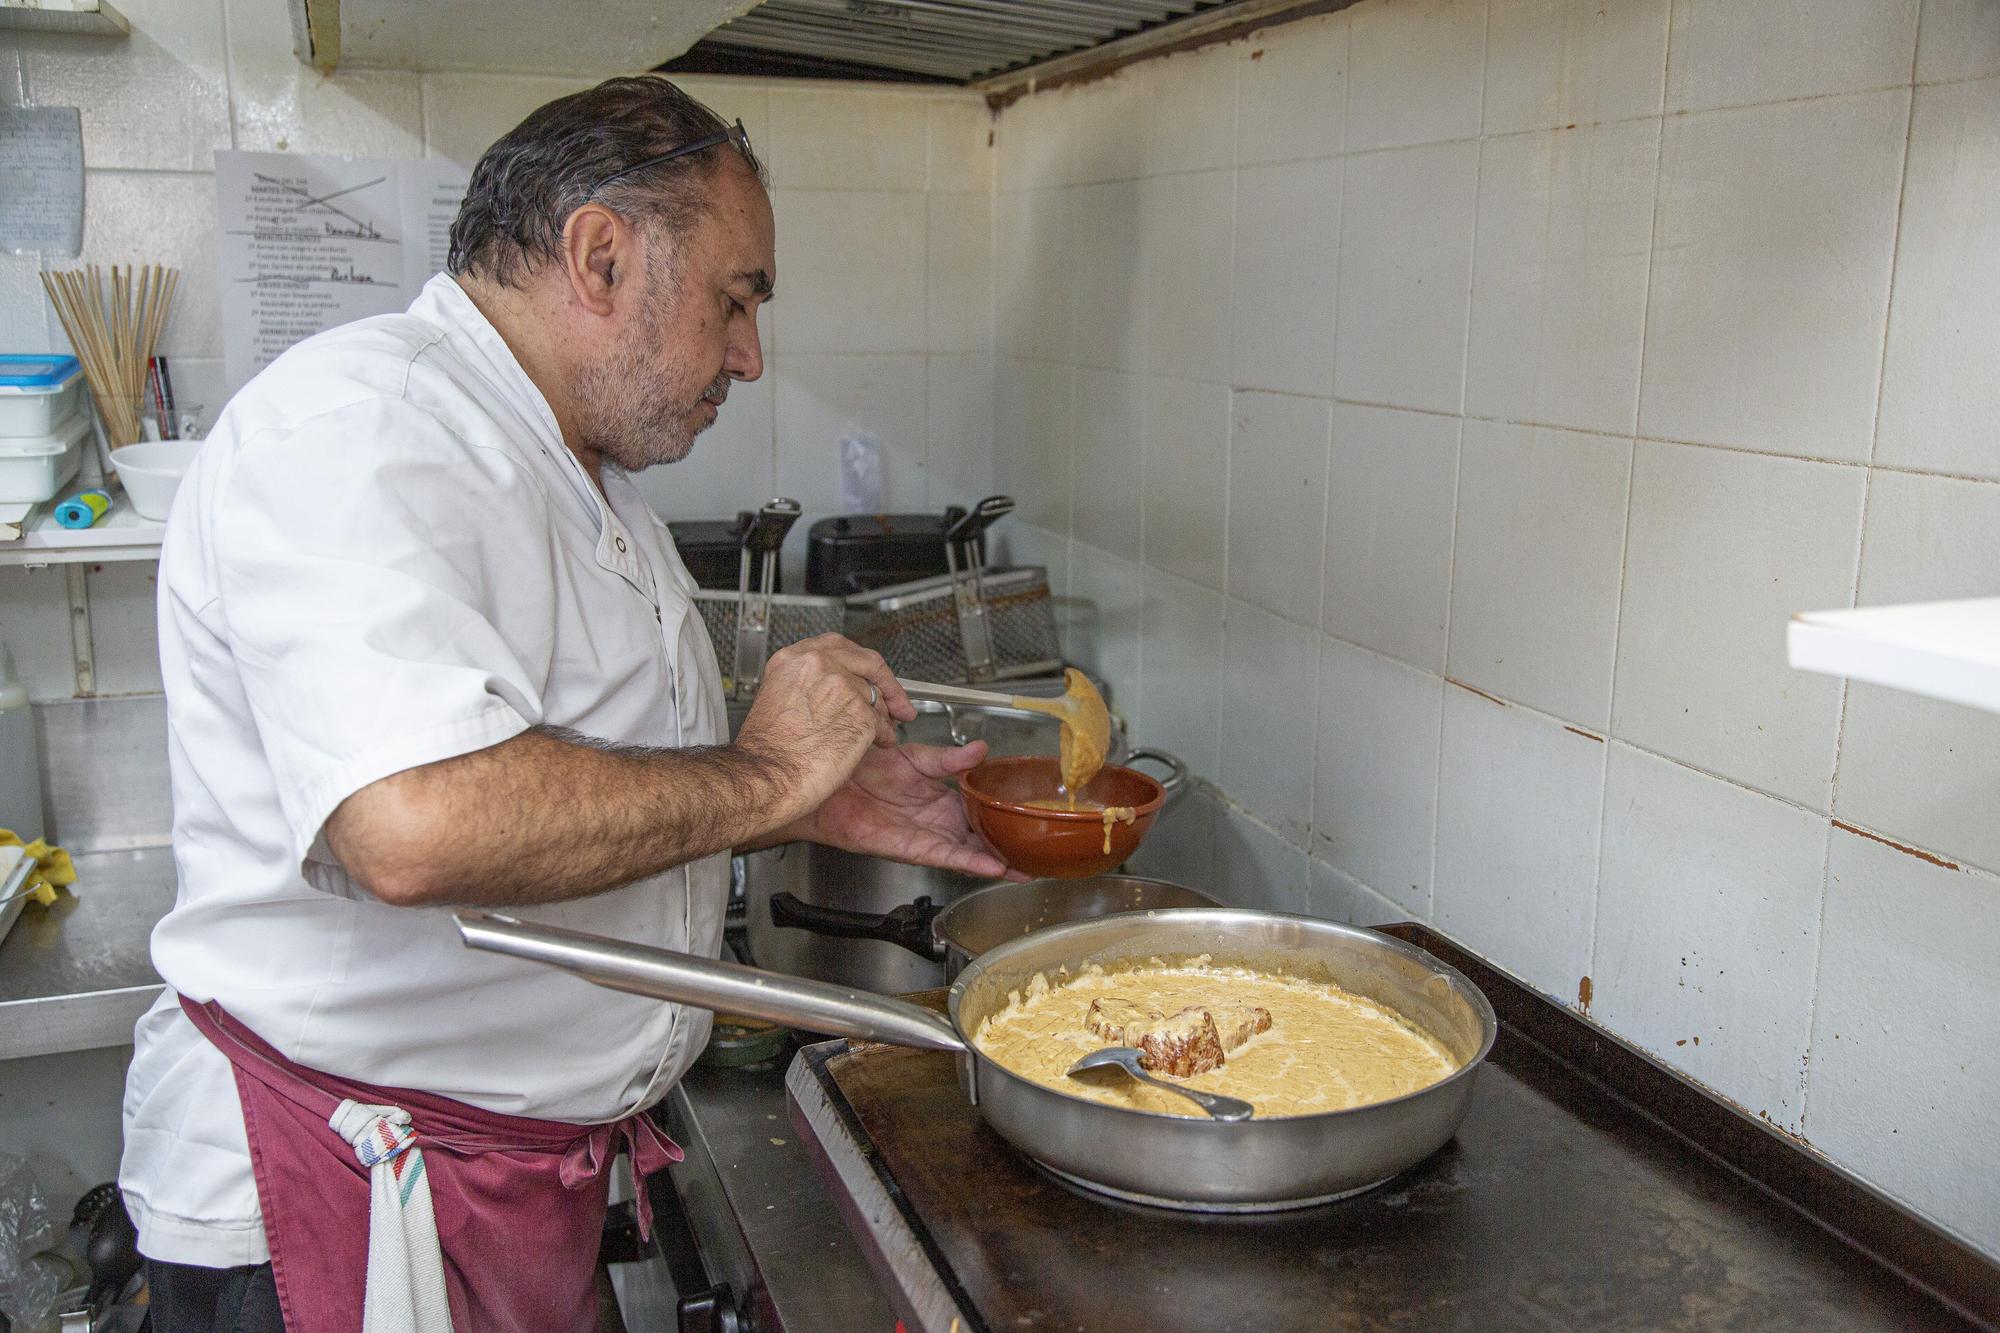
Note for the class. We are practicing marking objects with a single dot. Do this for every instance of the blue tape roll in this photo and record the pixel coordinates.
(83, 509)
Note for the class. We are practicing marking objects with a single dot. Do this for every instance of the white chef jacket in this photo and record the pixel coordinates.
(385, 556)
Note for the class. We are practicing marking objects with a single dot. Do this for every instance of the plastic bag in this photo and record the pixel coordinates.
(29, 1280)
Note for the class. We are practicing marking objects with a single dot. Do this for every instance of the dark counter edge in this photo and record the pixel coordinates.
(1787, 1168)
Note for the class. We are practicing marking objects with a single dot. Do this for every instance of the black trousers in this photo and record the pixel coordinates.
(191, 1299)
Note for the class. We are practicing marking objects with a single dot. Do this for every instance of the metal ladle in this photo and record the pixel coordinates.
(1127, 1059)
(1086, 722)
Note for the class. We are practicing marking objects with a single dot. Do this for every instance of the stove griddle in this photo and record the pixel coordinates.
(1561, 1204)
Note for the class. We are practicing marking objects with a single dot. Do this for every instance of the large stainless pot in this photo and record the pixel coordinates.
(843, 881)
(989, 917)
(1243, 1166)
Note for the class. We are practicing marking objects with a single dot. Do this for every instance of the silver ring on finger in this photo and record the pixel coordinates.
(874, 696)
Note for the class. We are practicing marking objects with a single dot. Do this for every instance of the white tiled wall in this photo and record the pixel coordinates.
(1524, 367)
(884, 206)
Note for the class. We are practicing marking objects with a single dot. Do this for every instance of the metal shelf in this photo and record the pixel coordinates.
(119, 535)
(1945, 650)
(76, 976)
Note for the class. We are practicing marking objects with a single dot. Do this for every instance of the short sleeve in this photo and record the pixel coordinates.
(356, 560)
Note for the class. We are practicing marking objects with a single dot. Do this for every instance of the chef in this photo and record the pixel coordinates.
(425, 645)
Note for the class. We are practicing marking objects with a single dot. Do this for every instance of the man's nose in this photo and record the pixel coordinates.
(745, 360)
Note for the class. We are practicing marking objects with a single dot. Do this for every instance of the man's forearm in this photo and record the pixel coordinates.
(550, 815)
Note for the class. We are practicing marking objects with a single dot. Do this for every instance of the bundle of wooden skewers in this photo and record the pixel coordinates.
(114, 329)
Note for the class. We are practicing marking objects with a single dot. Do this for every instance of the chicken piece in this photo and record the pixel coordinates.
(1237, 1024)
(1111, 1017)
(1182, 1044)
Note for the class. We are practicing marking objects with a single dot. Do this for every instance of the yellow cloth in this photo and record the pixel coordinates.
(53, 868)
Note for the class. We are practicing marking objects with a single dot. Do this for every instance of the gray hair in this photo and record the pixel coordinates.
(526, 185)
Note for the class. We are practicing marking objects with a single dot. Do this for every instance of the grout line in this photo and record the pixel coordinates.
(1812, 977)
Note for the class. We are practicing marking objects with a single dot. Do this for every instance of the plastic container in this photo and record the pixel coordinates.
(35, 467)
(152, 472)
(38, 393)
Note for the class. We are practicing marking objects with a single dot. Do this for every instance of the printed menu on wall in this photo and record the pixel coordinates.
(309, 243)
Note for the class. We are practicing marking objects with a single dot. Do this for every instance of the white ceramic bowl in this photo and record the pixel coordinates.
(152, 472)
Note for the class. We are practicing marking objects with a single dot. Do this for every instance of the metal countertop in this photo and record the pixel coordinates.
(763, 1218)
(76, 976)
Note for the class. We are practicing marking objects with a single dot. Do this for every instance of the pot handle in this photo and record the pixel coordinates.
(1177, 772)
(908, 925)
(708, 984)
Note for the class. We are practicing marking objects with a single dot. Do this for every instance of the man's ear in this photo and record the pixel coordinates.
(597, 255)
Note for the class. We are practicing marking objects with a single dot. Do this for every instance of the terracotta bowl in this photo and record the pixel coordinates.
(1057, 844)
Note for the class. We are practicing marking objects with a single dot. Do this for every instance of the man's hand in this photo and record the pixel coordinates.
(901, 804)
(815, 719)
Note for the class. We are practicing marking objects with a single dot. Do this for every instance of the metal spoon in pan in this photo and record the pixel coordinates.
(1127, 1059)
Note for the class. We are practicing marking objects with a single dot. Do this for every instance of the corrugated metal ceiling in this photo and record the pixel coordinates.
(951, 40)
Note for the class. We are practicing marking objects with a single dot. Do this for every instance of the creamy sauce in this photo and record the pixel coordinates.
(1086, 728)
(1122, 814)
(1326, 1050)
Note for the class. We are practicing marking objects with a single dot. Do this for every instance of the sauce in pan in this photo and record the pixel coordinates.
(1325, 1049)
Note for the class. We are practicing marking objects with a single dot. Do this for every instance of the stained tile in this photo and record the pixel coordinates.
(1031, 438)
(281, 105)
(1940, 401)
(958, 266)
(1108, 298)
(960, 149)
(1390, 495)
(1376, 774)
(1707, 927)
(1340, 897)
(1919, 769)
(1552, 63)
(1958, 39)
(1107, 496)
(1902, 1083)
(1752, 339)
(1034, 290)
(1725, 54)
(852, 265)
(1255, 866)
(1107, 607)
(1193, 110)
(1405, 276)
(1536, 568)
(958, 416)
(1287, 267)
(824, 138)
(1559, 276)
(1291, 91)
(1414, 72)
(1723, 548)
(1267, 738)
(1187, 478)
(464, 113)
(1180, 668)
(1518, 805)
(1108, 128)
(1277, 499)
(1182, 222)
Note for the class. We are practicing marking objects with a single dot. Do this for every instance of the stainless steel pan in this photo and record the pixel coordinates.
(1245, 1166)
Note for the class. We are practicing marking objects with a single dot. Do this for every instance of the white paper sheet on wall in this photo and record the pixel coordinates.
(309, 243)
(41, 179)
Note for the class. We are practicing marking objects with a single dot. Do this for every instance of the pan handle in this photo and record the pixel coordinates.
(707, 984)
(908, 925)
(1177, 771)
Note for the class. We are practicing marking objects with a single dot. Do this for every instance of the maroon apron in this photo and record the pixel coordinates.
(519, 1202)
